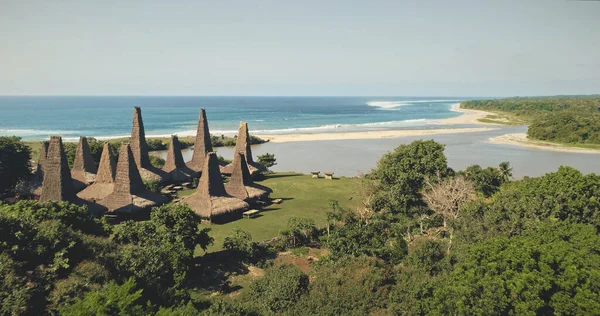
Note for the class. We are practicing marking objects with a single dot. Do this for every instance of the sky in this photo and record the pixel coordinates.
(300, 47)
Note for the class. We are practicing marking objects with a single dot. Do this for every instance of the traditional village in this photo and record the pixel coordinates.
(117, 189)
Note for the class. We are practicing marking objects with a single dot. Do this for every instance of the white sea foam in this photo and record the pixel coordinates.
(395, 104)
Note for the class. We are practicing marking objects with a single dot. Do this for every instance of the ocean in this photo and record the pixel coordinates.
(38, 117)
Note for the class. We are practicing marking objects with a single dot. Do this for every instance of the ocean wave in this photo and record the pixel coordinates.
(69, 136)
(395, 104)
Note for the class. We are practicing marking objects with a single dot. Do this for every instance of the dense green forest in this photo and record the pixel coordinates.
(426, 240)
(562, 119)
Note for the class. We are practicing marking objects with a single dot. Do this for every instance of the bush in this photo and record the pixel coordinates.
(153, 186)
(14, 162)
(279, 289)
(157, 162)
(112, 299)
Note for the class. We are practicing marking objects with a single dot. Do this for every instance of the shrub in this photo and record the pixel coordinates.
(14, 162)
(279, 289)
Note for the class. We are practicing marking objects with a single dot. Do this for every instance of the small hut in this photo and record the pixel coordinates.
(240, 184)
(105, 178)
(129, 193)
(202, 146)
(174, 166)
(84, 169)
(211, 201)
(242, 145)
(140, 150)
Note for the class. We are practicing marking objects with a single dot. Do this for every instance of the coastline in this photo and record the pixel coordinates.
(520, 139)
(467, 117)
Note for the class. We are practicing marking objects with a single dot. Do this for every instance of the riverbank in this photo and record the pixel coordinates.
(521, 139)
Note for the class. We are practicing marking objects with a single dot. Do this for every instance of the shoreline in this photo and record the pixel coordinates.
(369, 134)
(520, 139)
(467, 117)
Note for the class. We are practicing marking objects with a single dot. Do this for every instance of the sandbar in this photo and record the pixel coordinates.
(520, 139)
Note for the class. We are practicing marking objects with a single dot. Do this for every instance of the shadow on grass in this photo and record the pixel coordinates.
(277, 175)
(269, 209)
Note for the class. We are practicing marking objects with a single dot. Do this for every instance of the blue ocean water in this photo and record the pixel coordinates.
(36, 118)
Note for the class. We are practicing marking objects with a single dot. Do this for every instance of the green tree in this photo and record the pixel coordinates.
(267, 160)
(159, 253)
(113, 299)
(14, 162)
(403, 173)
(554, 269)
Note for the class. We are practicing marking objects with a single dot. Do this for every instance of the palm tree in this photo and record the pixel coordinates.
(505, 170)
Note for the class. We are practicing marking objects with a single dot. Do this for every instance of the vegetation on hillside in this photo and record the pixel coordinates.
(561, 119)
(424, 239)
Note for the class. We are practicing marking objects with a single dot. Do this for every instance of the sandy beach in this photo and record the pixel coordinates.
(520, 139)
(369, 134)
(467, 117)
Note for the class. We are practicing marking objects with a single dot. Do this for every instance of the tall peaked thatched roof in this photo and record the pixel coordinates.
(240, 184)
(175, 165)
(84, 169)
(129, 193)
(203, 145)
(105, 178)
(106, 168)
(57, 184)
(139, 148)
(242, 145)
(138, 140)
(211, 200)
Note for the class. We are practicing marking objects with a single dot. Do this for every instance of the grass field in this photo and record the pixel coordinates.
(303, 197)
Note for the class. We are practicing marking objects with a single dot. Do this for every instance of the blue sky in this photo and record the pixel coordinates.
(260, 47)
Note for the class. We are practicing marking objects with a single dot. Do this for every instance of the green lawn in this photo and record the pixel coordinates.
(303, 197)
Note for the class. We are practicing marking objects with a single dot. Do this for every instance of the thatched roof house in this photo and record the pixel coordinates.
(242, 145)
(105, 178)
(129, 193)
(211, 201)
(174, 166)
(202, 146)
(140, 150)
(58, 184)
(240, 184)
(84, 169)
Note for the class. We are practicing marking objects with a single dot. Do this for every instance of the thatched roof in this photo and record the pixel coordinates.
(57, 184)
(240, 184)
(84, 169)
(140, 150)
(202, 146)
(129, 193)
(211, 200)
(175, 166)
(105, 178)
(242, 145)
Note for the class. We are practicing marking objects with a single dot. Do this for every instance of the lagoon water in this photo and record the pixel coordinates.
(36, 118)
(353, 157)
